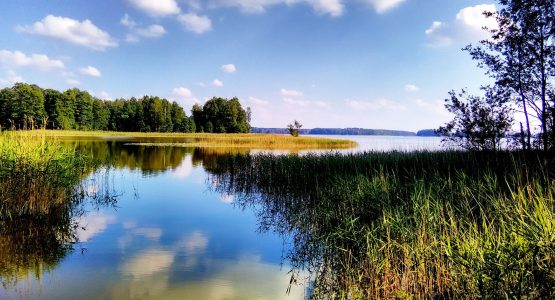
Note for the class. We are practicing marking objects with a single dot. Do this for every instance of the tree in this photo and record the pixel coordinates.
(83, 110)
(520, 57)
(294, 128)
(101, 115)
(480, 122)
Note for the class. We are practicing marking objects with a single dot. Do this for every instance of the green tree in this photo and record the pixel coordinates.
(480, 122)
(520, 57)
(101, 115)
(294, 128)
(83, 110)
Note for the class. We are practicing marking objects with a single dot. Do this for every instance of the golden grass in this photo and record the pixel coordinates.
(202, 140)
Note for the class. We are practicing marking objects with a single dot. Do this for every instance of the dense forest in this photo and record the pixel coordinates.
(25, 106)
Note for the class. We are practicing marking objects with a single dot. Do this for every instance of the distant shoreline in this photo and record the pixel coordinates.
(349, 131)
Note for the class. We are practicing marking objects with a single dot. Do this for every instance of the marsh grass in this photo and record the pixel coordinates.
(258, 141)
(407, 225)
(36, 174)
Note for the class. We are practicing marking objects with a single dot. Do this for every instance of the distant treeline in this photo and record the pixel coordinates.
(25, 106)
(347, 131)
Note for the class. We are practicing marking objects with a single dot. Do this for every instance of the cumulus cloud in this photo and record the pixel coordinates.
(468, 26)
(217, 83)
(383, 6)
(229, 68)
(290, 93)
(411, 88)
(136, 31)
(83, 33)
(157, 8)
(90, 71)
(17, 59)
(182, 92)
(195, 23)
(333, 8)
(10, 78)
(380, 104)
(185, 96)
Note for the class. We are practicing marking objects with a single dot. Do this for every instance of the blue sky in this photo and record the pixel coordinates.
(328, 63)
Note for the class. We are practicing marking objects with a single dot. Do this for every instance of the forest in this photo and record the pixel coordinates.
(27, 106)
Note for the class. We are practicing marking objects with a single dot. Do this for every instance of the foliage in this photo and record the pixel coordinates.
(25, 106)
(520, 57)
(294, 128)
(479, 122)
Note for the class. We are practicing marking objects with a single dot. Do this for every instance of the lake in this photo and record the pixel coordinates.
(158, 227)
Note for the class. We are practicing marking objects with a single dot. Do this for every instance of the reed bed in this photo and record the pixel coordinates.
(258, 141)
(407, 225)
(36, 174)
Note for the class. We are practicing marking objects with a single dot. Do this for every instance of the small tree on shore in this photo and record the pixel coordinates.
(294, 128)
(480, 122)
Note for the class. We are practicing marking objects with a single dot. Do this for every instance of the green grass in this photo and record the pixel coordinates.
(252, 141)
(36, 174)
(407, 225)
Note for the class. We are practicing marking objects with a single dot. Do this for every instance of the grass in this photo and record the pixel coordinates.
(36, 175)
(203, 140)
(407, 225)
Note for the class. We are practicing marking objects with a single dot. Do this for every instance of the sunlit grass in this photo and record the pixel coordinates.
(253, 141)
(407, 225)
(35, 174)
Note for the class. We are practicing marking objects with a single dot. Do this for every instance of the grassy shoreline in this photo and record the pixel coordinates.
(251, 140)
(36, 175)
(421, 225)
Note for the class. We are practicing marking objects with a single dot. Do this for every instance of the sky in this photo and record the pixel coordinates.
(385, 64)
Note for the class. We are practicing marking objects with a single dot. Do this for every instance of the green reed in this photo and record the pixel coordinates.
(36, 174)
(407, 225)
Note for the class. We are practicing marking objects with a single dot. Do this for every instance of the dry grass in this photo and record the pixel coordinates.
(203, 140)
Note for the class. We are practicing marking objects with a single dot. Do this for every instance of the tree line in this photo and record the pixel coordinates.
(27, 106)
(519, 57)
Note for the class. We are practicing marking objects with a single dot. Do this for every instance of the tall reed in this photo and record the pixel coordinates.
(36, 174)
(407, 225)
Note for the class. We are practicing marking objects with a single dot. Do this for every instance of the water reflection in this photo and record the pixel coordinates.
(34, 244)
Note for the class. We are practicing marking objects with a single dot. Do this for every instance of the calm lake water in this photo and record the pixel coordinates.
(159, 231)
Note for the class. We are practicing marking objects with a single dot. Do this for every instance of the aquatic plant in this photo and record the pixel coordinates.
(406, 225)
(36, 174)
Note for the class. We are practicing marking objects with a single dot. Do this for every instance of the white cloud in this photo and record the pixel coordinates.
(195, 23)
(104, 95)
(380, 104)
(72, 81)
(90, 71)
(257, 101)
(10, 78)
(411, 88)
(157, 8)
(152, 31)
(182, 92)
(19, 59)
(473, 17)
(333, 8)
(467, 27)
(83, 33)
(229, 68)
(217, 83)
(93, 224)
(382, 6)
(127, 21)
(290, 93)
